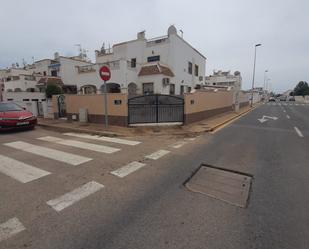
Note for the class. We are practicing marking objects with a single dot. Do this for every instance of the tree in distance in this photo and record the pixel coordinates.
(301, 89)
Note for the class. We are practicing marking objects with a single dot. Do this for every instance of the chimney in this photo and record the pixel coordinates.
(141, 35)
(56, 56)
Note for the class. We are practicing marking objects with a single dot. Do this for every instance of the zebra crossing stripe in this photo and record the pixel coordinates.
(128, 169)
(178, 145)
(49, 153)
(103, 138)
(10, 228)
(20, 171)
(74, 196)
(158, 154)
(80, 145)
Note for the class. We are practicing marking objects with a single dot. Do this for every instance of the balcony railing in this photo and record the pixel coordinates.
(113, 65)
(86, 69)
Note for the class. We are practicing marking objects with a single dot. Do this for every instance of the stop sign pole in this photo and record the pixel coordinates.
(105, 75)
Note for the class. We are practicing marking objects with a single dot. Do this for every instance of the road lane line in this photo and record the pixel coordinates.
(287, 116)
(190, 139)
(74, 196)
(9, 228)
(178, 145)
(284, 110)
(158, 154)
(102, 138)
(298, 132)
(128, 169)
(49, 153)
(20, 171)
(80, 145)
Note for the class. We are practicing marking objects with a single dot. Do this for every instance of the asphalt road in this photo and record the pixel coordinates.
(150, 208)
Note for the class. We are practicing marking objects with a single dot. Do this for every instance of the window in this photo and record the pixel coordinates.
(133, 62)
(182, 89)
(196, 70)
(147, 88)
(190, 67)
(189, 89)
(153, 58)
(44, 73)
(117, 102)
(172, 89)
(54, 73)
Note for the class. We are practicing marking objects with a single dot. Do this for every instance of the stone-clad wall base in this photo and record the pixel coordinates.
(243, 104)
(100, 119)
(198, 116)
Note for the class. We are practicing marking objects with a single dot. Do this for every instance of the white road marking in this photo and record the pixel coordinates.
(158, 154)
(9, 228)
(296, 104)
(80, 145)
(190, 139)
(49, 153)
(178, 145)
(287, 116)
(128, 169)
(76, 195)
(298, 132)
(20, 171)
(102, 138)
(284, 110)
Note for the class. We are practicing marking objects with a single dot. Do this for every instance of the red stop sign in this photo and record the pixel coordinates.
(105, 73)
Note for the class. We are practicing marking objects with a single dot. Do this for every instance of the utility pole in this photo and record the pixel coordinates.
(256, 45)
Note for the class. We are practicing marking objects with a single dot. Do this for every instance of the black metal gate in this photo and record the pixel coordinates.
(61, 106)
(155, 109)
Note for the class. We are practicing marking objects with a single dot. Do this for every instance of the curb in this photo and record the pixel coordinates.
(229, 120)
(79, 130)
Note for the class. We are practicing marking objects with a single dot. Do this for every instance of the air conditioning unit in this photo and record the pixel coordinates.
(165, 81)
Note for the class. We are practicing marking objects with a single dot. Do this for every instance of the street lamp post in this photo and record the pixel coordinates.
(256, 45)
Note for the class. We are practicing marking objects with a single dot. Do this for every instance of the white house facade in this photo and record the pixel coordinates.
(164, 65)
(224, 79)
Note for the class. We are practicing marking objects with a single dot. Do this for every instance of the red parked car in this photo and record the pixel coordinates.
(13, 116)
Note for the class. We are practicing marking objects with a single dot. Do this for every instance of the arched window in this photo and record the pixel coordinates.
(113, 88)
(88, 89)
(132, 89)
(17, 90)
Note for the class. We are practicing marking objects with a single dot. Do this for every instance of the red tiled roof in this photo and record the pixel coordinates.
(155, 69)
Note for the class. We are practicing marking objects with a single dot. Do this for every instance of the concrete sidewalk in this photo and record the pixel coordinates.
(206, 125)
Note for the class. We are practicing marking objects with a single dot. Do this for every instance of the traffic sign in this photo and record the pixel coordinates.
(105, 73)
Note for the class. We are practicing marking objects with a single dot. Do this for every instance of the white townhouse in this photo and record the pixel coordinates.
(26, 85)
(19, 85)
(224, 79)
(162, 65)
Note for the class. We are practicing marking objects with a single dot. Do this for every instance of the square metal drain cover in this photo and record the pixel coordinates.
(223, 184)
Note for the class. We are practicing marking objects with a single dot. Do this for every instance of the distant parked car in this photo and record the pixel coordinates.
(282, 98)
(292, 98)
(271, 99)
(13, 116)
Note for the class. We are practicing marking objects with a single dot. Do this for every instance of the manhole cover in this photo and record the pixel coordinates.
(232, 187)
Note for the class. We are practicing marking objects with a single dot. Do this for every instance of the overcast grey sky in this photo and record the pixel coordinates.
(224, 31)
